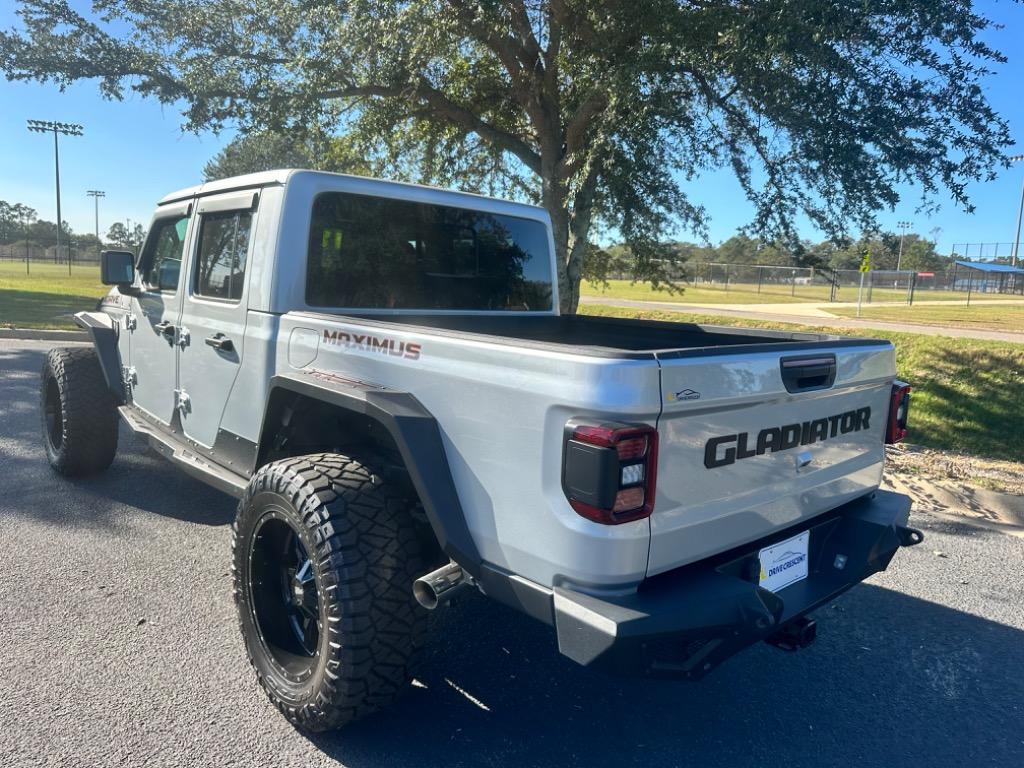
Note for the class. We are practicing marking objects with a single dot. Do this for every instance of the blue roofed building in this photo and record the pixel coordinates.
(987, 277)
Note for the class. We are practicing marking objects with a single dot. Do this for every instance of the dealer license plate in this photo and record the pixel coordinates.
(784, 563)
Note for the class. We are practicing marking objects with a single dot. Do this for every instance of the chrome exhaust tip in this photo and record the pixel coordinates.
(440, 586)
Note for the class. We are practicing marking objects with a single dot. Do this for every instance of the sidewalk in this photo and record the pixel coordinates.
(808, 314)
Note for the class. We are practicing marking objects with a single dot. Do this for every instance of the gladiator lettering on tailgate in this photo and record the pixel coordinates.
(727, 449)
(366, 343)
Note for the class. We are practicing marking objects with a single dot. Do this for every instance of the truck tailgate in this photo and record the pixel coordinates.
(755, 441)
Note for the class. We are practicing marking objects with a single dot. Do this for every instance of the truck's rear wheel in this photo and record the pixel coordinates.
(325, 553)
(79, 415)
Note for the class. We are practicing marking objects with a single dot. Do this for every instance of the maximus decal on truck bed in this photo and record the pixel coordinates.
(725, 450)
(368, 343)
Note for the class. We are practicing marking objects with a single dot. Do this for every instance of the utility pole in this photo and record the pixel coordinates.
(25, 220)
(96, 194)
(904, 226)
(1020, 215)
(68, 129)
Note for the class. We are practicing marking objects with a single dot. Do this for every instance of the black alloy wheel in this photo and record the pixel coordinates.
(53, 416)
(285, 602)
(325, 554)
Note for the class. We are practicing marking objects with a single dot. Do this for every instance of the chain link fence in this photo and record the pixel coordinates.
(983, 251)
(795, 282)
(840, 285)
(954, 283)
(47, 252)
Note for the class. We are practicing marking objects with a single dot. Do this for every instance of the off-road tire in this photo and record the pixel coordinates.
(78, 412)
(365, 550)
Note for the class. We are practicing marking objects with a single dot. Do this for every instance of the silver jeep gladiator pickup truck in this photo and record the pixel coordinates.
(379, 372)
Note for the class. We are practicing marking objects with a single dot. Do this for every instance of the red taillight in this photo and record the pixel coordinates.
(609, 471)
(899, 405)
(632, 448)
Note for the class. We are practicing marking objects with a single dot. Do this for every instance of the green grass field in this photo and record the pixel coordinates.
(47, 297)
(744, 293)
(738, 293)
(994, 317)
(968, 393)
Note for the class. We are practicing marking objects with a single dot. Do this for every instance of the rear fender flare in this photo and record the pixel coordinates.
(418, 438)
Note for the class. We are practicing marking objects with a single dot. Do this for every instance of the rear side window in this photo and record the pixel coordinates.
(220, 261)
(161, 260)
(373, 252)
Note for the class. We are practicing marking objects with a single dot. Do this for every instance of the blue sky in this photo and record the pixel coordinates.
(136, 152)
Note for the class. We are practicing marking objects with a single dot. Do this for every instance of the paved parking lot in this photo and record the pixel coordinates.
(120, 648)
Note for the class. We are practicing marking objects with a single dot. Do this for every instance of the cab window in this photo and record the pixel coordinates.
(161, 259)
(375, 252)
(220, 261)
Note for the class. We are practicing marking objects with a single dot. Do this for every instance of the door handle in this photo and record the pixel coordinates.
(165, 328)
(220, 341)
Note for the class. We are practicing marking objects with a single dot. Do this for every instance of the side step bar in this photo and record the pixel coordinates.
(184, 457)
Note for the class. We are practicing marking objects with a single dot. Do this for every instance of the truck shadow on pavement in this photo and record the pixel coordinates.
(893, 680)
(142, 479)
(138, 478)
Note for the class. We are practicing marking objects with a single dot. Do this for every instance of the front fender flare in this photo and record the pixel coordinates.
(104, 338)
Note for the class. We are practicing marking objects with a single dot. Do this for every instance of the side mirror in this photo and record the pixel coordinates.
(167, 275)
(117, 268)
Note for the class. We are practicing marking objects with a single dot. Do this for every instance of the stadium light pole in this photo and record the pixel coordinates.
(904, 226)
(1020, 214)
(68, 129)
(96, 194)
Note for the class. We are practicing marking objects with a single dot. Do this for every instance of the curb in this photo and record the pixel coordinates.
(42, 334)
(978, 506)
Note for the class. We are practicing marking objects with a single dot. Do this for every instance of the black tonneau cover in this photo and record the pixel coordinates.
(611, 337)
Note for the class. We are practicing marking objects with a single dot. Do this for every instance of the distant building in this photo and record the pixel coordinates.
(987, 277)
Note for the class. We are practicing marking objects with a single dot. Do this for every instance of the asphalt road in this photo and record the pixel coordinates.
(119, 647)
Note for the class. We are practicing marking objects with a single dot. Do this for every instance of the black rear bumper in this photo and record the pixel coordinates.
(686, 622)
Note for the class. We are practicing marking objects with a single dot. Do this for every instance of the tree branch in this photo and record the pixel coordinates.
(534, 56)
(580, 122)
(459, 115)
(442, 106)
(525, 70)
(741, 121)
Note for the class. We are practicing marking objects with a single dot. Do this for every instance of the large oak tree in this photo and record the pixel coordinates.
(602, 111)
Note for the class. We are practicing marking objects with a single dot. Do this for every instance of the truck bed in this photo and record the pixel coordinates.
(503, 387)
(613, 337)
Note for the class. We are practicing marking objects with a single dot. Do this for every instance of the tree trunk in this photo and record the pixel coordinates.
(554, 198)
(574, 273)
(571, 243)
(570, 229)
(570, 225)
(567, 291)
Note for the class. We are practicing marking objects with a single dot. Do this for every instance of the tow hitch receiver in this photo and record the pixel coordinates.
(795, 634)
(909, 537)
